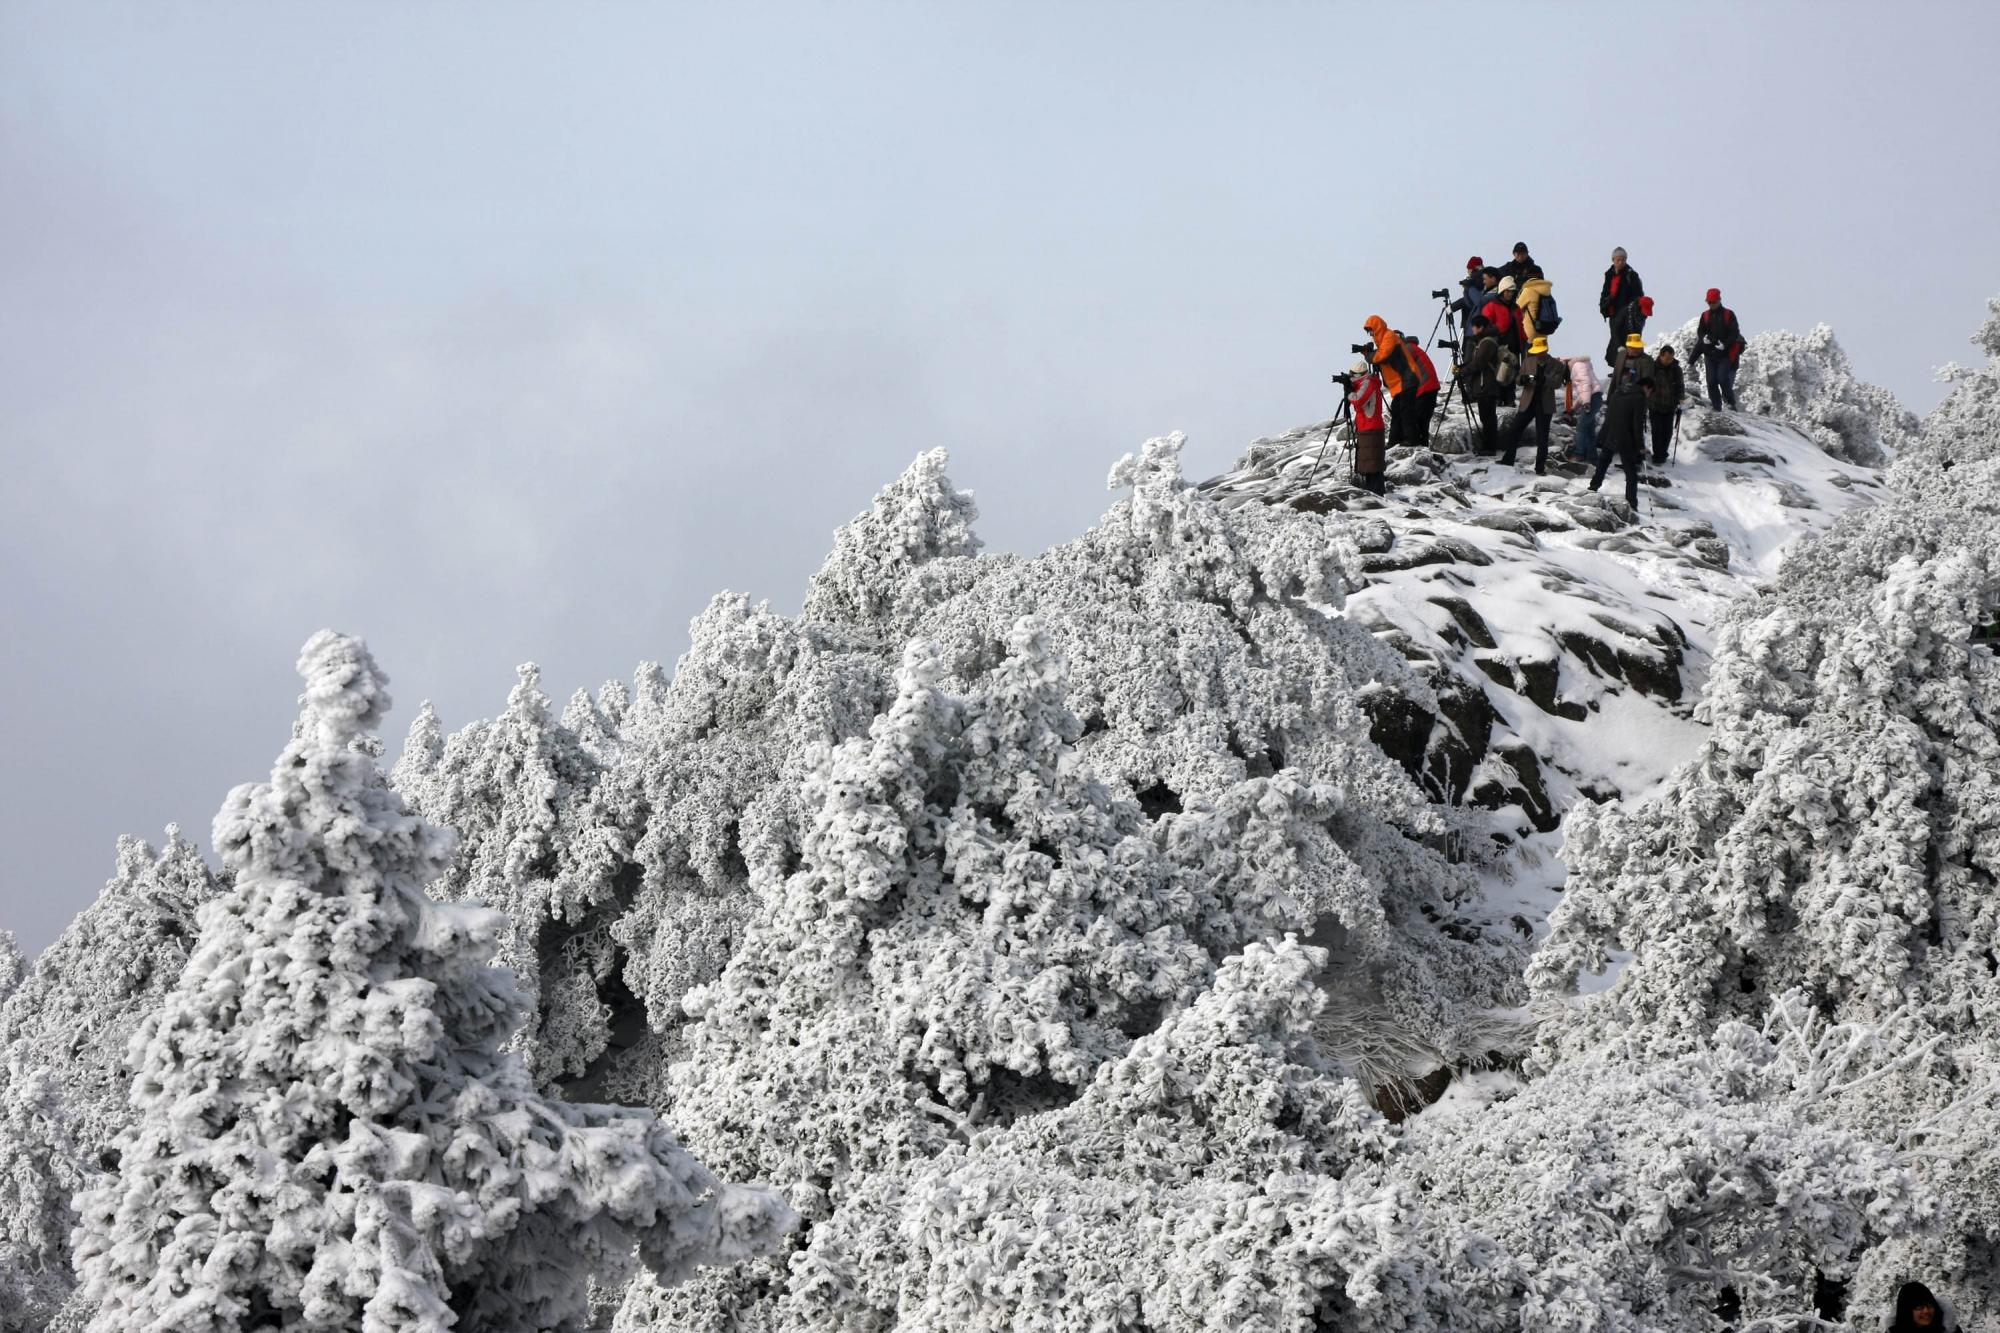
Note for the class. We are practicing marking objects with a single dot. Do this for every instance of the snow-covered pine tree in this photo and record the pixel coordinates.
(328, 1132)
(63, 1038)
(521, 790)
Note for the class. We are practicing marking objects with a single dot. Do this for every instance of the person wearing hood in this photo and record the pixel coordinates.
(1632, 376)
(1622, 289)
(1428, 385)
(1392, 361)
(1370, 451)
(1528, 300)
(1718, 341)
(1540, 373)
(1918, 1311)
(1584, 395)
(1500, 313)
(1663, 400)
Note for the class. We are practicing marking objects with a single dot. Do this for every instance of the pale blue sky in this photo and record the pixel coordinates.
(496, 331)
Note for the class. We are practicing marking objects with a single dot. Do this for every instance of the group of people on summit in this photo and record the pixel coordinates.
(1508, 312)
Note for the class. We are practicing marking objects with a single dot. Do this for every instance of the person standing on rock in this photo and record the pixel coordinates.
(1632, 376)
(1718, 341)
(1540, 373)
(1481, 377)
(1474, 285)
(1517, 267)
(1622, 290)
(1428, 385)
(1371, 453)
(1663, 400)
(1393, 362)
(1506, 320)
(1585, 395)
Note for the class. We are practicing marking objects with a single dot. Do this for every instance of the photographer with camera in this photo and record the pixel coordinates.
(1428, 385)
(1473, 287)
(1390, 357)
(1371, 453)
(1481, 378)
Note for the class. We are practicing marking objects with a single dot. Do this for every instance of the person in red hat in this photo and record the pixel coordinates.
(1473, 284)
(1718, 342)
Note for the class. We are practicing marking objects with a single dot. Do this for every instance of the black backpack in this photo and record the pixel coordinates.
(1547, 318)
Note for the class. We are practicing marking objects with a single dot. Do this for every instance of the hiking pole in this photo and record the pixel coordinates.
(1677, 435)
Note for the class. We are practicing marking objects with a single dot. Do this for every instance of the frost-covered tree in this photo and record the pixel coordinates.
(535, 843)
(978, 925)
(1838, 834)
(328, 1133)
(1806, 381)
(13, 965)
(63, 1071)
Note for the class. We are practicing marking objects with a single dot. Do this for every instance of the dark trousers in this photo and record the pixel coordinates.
(1534, 412)
(1663, 431)
(1625, 436)
(1721, 373)
(1427, 406)
(1489, 427)
(1403, 417)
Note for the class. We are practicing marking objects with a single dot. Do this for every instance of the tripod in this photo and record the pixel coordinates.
(1449, 323)
(1343, 417)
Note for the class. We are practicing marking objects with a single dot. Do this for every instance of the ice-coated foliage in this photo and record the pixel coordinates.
(63, 1072)
(328, 1133)
(13, 965)
(880, 567)
(1839, 833)
(1625, 1192)
(1806, 381)
(520, 790)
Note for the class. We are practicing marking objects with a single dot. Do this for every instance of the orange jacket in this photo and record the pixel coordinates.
(1391, 357)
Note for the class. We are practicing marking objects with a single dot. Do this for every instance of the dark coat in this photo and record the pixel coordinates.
(1669, 384)
(1717, 333)
(1517, 269)
(1908, 1299)
(1630, 289)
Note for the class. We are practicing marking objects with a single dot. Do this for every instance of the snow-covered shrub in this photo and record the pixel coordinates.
(328, 1133)
(1806, 381)
(521, 790)
(1624, 1192)
(63, 1037)
(13, 965)
(1839, 832)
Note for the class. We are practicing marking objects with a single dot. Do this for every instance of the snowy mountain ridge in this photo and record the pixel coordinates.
(1075, 941)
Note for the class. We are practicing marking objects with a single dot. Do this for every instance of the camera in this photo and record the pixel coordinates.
(1361, 349)
(1441, 294)
(1452, 343)
(1345, 379)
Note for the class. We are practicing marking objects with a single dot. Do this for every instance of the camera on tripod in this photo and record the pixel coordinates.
(1345, 379)
(1441, 294)
(1452, 343)
(1361, 349)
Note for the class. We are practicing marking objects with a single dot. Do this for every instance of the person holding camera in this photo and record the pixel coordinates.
(1427, 392)
(1473, 286)
(1390, 356)
(1480, 378)
(1371, 453)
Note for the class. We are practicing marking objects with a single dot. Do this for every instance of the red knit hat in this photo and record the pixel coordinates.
(1473, 263)
(1645, 305)
(1714, 294)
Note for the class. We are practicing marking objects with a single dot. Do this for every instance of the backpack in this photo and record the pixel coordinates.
(1547, 318)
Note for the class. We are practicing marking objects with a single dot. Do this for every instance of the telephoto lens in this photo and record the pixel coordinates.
(1363, 348)
(1441, 294)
